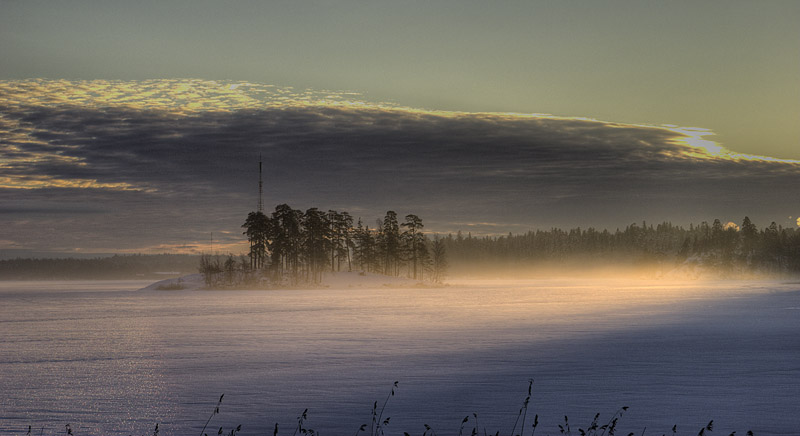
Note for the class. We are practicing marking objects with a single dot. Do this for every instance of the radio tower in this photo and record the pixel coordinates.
(260, 187)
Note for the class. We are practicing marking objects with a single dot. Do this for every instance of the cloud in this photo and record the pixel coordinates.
(171, 160)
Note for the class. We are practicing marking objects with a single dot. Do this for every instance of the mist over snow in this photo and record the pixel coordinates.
(158, 165)
(677, 353)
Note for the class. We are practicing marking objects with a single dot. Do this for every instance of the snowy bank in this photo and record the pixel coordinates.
(331, 280)
(192, 282)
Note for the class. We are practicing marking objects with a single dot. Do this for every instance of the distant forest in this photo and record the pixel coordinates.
(724, 250)
(118, 267)
(297, 246)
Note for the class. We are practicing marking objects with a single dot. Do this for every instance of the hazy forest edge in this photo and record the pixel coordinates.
(292, 247)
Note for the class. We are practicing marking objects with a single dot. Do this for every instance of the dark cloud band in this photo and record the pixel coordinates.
(447, 167)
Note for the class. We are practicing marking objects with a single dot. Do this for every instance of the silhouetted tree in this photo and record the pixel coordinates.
(210, 269)
(749, 235)
(286, 239)
(257, 229)
(341, 228)
(389, 243)
(414, 241)
(365, 249)
(316, 242)
(346, 234)
(438, 259)
(230, 269)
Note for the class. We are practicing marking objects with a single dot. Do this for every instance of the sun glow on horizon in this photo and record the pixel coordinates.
(731, 225)
(693, 137)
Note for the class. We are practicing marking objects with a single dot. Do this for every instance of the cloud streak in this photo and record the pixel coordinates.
(168, 161)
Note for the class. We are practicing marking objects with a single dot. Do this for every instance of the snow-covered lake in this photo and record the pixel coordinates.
(107, 359)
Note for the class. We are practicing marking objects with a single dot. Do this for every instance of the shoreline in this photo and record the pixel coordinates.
(331, 280)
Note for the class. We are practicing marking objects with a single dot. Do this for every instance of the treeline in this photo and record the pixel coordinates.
(723, 247)
(117, 267)
(294, 246)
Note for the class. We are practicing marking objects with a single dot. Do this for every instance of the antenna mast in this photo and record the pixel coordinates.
(260, 187)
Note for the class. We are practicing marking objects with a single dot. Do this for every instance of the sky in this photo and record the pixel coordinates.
(137, 126)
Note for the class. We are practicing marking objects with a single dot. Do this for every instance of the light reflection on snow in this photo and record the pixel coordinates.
(677, 353)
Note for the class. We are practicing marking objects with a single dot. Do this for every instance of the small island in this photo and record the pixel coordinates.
(291, 248)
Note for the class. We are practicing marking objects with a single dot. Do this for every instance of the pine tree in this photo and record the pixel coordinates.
(749, 238)
(316, 242)
(286, 241)
(414, 241)
(345, 228)
(364, 252)
(438, 259)
(389, 244)
(257, 229)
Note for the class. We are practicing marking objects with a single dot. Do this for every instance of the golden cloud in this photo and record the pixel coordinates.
(20, 145)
